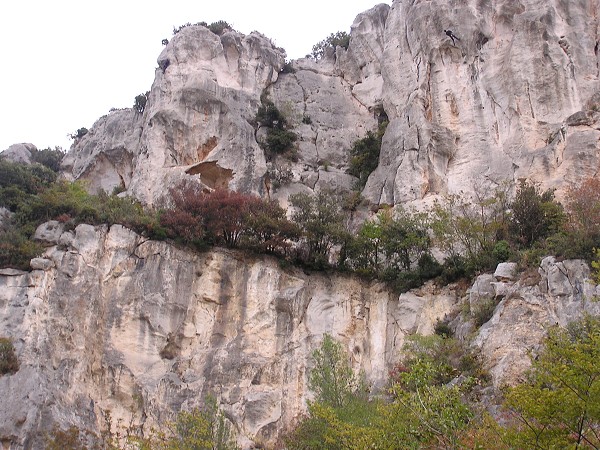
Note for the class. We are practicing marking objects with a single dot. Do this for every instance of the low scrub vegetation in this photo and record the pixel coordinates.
(9, 363)
(33, 195)
(364, 155)
(433, 398)
(279, 139)
(219, 27)
(394, 245)
(339, 39)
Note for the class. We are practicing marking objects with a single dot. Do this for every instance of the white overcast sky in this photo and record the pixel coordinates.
(65, 63)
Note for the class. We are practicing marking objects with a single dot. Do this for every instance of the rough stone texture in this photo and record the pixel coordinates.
(20, 153)
(49, 232)
(200, 108)
(493, 107)
(516, 97)
(111, 322)
(505, 271)
(104, 156)
(560, 294)
(142, 329)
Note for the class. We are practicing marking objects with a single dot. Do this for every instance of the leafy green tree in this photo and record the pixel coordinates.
(321, 219)
(363, 251)
(200, 429)
(51, 158)
(404, 239)
(341, 39)
(534, 214)
(559, 405)
(332, 378)
(269, 227)
(468, 229)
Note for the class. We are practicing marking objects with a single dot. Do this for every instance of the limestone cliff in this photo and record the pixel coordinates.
(114, 330)
(516, 96)
(110, 323)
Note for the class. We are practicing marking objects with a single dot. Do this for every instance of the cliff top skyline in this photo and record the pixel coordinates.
(70, 64)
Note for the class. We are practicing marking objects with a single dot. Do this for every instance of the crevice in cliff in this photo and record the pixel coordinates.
(529, 98)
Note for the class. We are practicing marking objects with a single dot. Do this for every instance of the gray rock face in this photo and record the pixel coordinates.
(111, 323)
(49, 232)
(560, 293)
(517, 96)
(496, 105)
(200, 109)
(20, 153)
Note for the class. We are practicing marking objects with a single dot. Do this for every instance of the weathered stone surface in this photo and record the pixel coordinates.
(41, 264)
(505, 271)
(515, 97)
(115, 323)
(496, 106)
(49, 232)
(200, 108)
(20, 153)
(563, 294)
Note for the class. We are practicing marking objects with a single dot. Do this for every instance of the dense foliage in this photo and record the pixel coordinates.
(559, 405)
(419, 411)
(433, 397)
(279, 139)
(339, 39)
(33, 195)
(364, 155)
(8, 359)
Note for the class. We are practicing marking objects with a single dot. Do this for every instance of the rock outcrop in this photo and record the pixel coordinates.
(513, 98)
(19, 153)
(110, 327)
(517, 96)
(560, 292)
(127, 331)
(114, 330)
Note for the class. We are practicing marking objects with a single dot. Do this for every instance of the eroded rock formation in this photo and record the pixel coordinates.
(517, 96)
(109, 322)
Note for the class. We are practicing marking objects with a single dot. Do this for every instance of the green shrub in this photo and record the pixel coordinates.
(16, 249)
(364, 155)
(279, 141)
(140, 101)
(483, 311)
(442, 328)
(9, 363)
(501, 251)
(219, 27)
(534, 215)
(558, 404)
(49, 157)
(341, 39)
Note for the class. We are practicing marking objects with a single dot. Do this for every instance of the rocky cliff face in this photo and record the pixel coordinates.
(516, 96)
(115, 331)
(111, 323)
